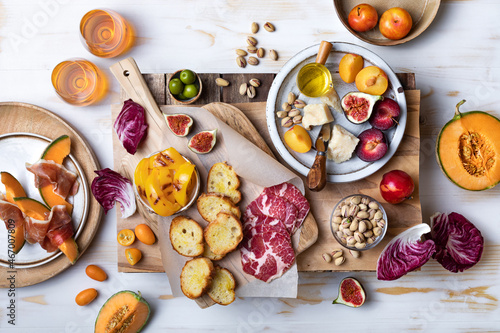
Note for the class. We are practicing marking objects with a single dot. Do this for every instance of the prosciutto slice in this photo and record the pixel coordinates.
(11, 215)
(59, 228)
(50, 172)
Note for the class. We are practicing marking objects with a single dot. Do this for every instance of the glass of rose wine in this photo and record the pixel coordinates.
(106, 33)
(79, 82)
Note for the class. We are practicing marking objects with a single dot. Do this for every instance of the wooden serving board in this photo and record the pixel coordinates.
(22, 117)
(406, 158)
(232, 116)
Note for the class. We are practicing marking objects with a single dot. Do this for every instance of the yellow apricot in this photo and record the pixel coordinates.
(350, 65)
(372, 80)
(298, 139)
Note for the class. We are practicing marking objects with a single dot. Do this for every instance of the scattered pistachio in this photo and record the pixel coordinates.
(297, 119)
(254, 82)
(251, 41)
(282, 114)
(299, 104)
(286, 122)
(254, 27)
(251, 92)
(241, 52)
(269, 27)
(253, 61)
(273, 55)
(291, 98)
(261, 52)
(339, 261)
(221, 82)
(327, 257)
(336, 253)
(252, 49)
(360, 245)
(355, 254)
(294, 112)
(285, 106)
(241, 62)
(243, 89)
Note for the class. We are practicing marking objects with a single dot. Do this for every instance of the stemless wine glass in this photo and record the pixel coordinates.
(106, 33)
(79, 82)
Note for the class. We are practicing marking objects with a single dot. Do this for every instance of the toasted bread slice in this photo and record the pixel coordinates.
(224, 234)
(223, 179)
(210, 255)
(209, 205)
(222, 289)
(196, 277)
(186, 236)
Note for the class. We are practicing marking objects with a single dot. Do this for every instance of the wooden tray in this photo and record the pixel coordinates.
(22, 117)
(321, 203)
(233, 117)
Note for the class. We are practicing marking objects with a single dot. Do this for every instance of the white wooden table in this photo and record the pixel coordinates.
(457, 57)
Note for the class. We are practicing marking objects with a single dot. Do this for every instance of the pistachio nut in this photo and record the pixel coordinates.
(286, 122)
(327, 257)
(368, 234)
(251, 92)
(347, 232)
(346, 222)
(381, 223)
(351, 240)
(261, 52)
(254, 82)
(370, 240)
(356, 200)
(365, 200)
(251, 41)
(378, 215)
(377, 231)
(241, 52)
(337, 212)
(299, 104)
(291, 98)
(285, 106)
(339, 261)
(243, 89)
(253, 61)
(354, 225)
(363, 207)
(251, 49)
(359, 237)
(335, 227)
(353, 210)
(337, 253)
(294, 112)
(373, 205)
(337, 219)
(255, 27)
(355, 254)
(297, 119)
(282, 114)
(363, 214)
(241, 62)
(221, 82)
(273, 55)
(269, 26)
(360, 245)
(362, 226)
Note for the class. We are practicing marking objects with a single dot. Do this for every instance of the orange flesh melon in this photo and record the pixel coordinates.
(14, 189)
(467, 150)
(124, 312)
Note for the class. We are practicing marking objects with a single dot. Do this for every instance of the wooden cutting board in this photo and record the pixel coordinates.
(406, 158)
(125, 163)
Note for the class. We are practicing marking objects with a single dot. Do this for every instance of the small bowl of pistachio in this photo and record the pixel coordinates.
(358, 222)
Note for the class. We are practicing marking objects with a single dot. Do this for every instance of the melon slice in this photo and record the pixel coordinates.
(14, 189)
(125, 312)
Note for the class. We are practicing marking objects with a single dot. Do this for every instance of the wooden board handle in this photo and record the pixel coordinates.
(316, 178)
(323, 52)
(130, 78)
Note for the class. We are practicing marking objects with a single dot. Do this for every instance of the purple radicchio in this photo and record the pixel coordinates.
(130, 125)
(459, 243)
(110, 187)
(405, 253)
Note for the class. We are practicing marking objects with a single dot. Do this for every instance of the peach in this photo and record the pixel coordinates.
(372, 80)
(350, 65)
(298, 139)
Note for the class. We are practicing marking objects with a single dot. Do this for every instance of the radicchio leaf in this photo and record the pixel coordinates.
(459, 243)
(130, 125)
(110, 187)
(405, 253)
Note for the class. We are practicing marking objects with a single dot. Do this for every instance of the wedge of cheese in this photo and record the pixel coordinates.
(331, 98)
(315, 115)
(341, 145)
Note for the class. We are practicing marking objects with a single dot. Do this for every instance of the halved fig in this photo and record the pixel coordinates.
(203, 142)
(179, 123)
(358, 106)
(351, 293)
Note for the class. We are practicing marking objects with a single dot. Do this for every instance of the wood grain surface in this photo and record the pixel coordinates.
(22, 117)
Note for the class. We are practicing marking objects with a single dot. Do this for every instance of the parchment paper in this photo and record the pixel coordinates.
(256, 170)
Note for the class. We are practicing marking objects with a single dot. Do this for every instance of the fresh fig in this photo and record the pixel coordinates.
(179, 124)
(351, 293)
(358, 106)
(203, 142)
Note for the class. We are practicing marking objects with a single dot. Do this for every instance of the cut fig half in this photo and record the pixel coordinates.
(203, 142)
(351, 293)
(358, 106)
(179, 123)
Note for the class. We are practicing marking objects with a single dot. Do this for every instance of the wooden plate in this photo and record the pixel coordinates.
(422, 14)
(353, 169)
(27, 118)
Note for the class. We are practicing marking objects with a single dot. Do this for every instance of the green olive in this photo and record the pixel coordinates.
(190, 90)
(187, 76)
(175, 86)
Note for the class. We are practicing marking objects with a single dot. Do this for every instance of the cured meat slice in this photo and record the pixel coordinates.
(292, 194)
(60, 228)
(275, 207)
(50, 172)
(266, 250)
(11, 215)
(36, 230)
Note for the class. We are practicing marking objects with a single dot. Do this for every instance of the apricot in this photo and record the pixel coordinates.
(298, 139)
(350, 65)
(372, 80)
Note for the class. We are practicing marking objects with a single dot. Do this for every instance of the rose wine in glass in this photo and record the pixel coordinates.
(79, 82)
(105, 33)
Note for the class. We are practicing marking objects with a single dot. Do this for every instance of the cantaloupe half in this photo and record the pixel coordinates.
(56, 151)
(14, 189)
(468, 149)
(124, 312)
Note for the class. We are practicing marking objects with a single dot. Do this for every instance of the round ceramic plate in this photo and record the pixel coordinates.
(285, 82)
(17, 149)
(422, 14)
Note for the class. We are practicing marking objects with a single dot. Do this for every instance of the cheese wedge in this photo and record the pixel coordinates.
(316, 114)
(331, 98)
(341, 145)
